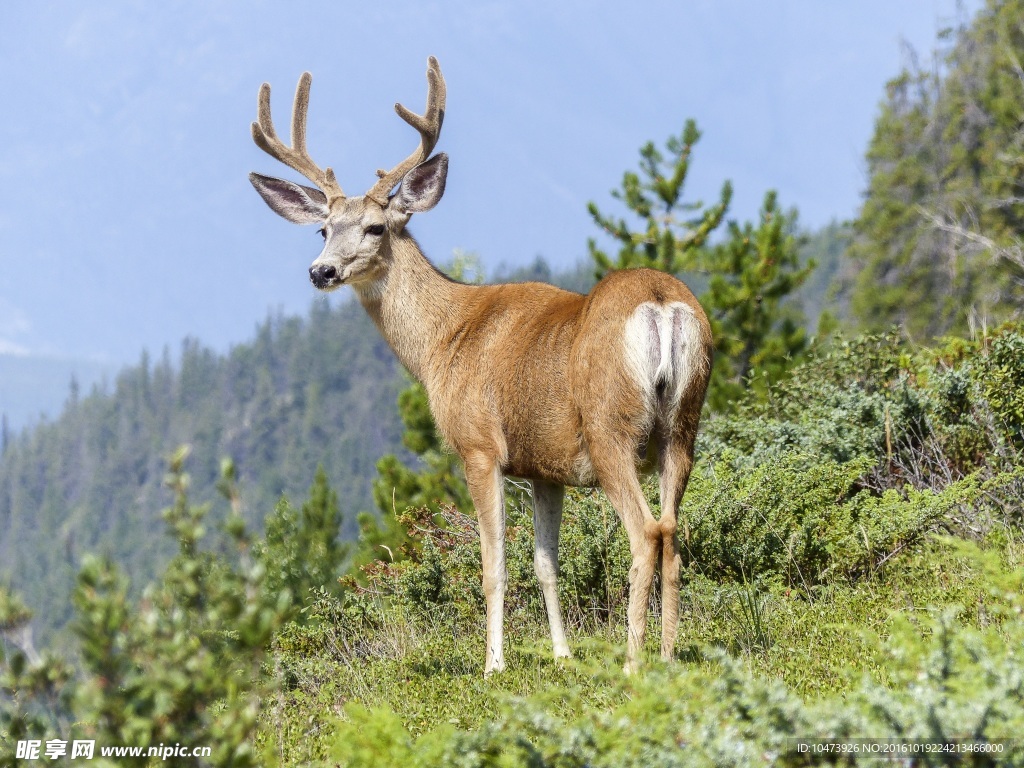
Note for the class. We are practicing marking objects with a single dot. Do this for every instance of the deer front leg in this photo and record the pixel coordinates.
(486, 486)
(547, 520)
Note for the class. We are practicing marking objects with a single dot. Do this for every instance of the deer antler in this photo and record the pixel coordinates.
(429, 126)
(296, 156)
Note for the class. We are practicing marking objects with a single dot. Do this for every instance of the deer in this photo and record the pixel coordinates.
(524, 380)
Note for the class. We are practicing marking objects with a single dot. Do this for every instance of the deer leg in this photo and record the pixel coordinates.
(676, 460)
(618, 477)
(547, 520)
(486, 486)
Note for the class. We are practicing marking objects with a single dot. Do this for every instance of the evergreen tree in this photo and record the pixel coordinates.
(301, 550)
(757, 334)
(672, 233)
(440, 479)
(938, 244)
(183, 666)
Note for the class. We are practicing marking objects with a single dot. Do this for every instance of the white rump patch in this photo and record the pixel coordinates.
(662, 344)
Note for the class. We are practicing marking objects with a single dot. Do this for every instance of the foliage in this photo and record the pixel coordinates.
(821, 296)
(440, 577)
(749, 276)
(667, 242)
(868, 661)
(302, 393)
(301, 551)
(439, 480)
(812, 520)
(820, 594)
(929, 417)
(938, 240)
(33, 688)
(1000, 379)
(757, 335)
(959, 687)
(860, 456)
(182, 666)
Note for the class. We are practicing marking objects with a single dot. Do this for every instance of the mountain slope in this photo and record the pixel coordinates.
(304, 392)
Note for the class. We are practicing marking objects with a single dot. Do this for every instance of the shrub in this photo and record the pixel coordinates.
(183, 666)
(956, 684)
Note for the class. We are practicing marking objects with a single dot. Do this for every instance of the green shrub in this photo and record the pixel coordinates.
(955, 684)
(181, 666)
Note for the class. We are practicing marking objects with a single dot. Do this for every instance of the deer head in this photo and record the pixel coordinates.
(357, 231)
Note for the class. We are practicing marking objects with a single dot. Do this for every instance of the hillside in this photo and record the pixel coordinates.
(853, 569)
(304, 392)
(32, 386)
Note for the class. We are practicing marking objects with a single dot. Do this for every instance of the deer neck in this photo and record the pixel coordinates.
(413, 304)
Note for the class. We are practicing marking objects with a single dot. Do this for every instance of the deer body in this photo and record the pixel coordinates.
(526, 380)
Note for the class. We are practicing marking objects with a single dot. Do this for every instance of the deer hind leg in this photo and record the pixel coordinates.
(547, 520)
(618, 477)
(486, 487)
(668, 362)
(676, 461)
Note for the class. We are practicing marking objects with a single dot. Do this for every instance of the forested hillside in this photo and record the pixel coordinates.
(938, 245)
(304, 392)
(853, 556)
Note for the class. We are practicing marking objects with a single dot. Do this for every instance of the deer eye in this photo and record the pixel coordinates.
(376, 229)
(323, 232)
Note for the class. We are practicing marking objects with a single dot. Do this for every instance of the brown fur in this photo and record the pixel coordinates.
(524, 378)
(527, 379)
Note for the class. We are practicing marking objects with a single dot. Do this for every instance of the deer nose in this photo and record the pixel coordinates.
(322, 275)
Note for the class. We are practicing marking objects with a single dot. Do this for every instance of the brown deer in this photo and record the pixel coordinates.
(525, 380)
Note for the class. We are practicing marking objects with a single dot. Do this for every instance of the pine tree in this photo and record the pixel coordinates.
(182, 666)
(302, 549)
(758, 335)
(672, 232)
(939, 241)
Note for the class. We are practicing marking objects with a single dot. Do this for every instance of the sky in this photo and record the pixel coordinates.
(127, 221)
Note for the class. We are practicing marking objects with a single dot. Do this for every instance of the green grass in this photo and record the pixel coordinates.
(820, 646)
(853, 566)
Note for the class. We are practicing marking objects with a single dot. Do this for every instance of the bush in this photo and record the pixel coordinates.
(954, 684)
(183, 666)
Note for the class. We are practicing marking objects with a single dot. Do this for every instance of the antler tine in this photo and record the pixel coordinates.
(429, 126)
(296, 156)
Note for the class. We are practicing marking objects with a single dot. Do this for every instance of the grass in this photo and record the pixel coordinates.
(853, 565)
(429, 672)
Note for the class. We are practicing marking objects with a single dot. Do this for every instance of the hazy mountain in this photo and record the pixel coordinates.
(304, 392)
(31, 386)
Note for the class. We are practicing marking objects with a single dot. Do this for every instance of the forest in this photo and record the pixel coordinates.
(853, 535)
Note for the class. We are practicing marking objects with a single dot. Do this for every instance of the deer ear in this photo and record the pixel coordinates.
(423, 186)
(298, 204)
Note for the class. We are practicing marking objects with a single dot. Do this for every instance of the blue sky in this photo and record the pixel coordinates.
(127, 221)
